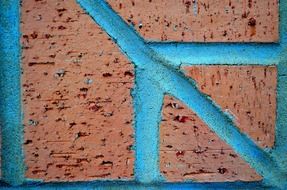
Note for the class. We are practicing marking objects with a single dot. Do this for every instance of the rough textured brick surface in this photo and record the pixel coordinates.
(76, 96)
(202, 20)
(248, 93)
(190, 150)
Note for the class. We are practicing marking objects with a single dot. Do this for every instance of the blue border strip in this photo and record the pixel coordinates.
(10, 93)
(280, 150)
(140, 186)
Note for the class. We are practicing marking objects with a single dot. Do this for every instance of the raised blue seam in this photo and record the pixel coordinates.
(12, 160)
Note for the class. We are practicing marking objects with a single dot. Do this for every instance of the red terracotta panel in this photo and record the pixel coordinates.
(190, 150)
(76, 96)
(202, 20)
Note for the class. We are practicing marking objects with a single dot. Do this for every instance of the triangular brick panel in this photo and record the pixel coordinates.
(189, 150)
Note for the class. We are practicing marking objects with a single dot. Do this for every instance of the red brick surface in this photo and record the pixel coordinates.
(76, 96)
(248, 93)
(190, 150)
(202, 20)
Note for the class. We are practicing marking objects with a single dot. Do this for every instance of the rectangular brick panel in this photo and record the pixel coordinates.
(76, 96)
(202, 20)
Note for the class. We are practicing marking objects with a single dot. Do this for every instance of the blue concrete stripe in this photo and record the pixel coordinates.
(186, 54)
(10, 101)
(280, 150)
(138, 186)
(148, 98)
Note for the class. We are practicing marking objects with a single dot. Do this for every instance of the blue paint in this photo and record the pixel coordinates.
(138, 186)
(280, 150)
(157, 73)
(146, 127)
(10, 101)
(186, 54)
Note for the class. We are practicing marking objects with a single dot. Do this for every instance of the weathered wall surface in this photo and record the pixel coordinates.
(105, 109)
(247, 93)
(189, 150)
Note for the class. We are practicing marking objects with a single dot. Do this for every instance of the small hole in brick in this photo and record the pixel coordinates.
(181, 119)
(107, 75)
(60, 73)
(252, 22)
(222, 170)
(32, 122)
(140, 25)
(28, 141)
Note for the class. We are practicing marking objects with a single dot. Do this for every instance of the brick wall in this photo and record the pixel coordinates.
(147, 94)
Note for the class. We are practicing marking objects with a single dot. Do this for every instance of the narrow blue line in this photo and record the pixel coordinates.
(10, 96)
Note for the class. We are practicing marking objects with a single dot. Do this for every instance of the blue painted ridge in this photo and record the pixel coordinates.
(280, 150)
(162, 72)
(138, 186)
(146, 127)
(188, 54)
(10, 97)
(283, 23)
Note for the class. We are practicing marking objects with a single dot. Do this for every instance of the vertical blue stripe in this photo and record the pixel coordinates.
(148, 98)
(280, 150)
(10, 93)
